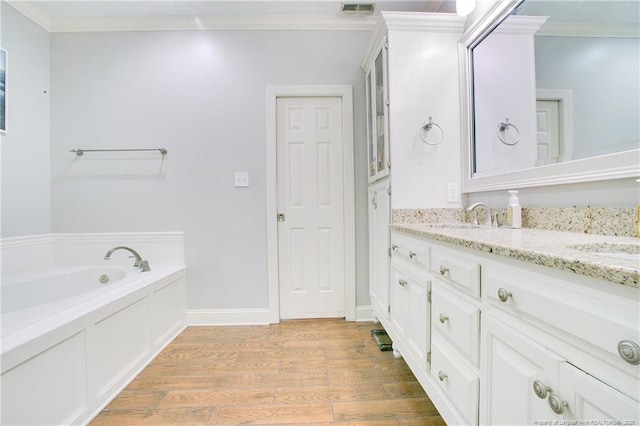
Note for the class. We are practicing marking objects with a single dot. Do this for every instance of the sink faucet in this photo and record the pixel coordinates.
(473, 208)
(141, 264)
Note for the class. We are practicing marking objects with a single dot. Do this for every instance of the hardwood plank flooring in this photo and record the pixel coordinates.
(306, 372)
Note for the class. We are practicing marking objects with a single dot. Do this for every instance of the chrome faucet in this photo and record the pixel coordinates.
(141, 264)
(473, 208)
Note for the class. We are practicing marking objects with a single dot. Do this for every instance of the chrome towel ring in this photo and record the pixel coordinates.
(429, 135)
(503, 128)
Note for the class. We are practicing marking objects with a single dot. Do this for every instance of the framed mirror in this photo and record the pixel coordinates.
(551, 94)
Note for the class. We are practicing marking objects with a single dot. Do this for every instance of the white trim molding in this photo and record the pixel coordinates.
(190, 23)
(346, 93)
(203, 317)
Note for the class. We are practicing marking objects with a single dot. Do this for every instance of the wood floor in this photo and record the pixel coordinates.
(318, 372)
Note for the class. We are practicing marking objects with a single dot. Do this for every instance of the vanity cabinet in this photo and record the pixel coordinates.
(408, 78)
(455, 325)
(379, 243)
(509, 342)
(410, 311)
(409, 314)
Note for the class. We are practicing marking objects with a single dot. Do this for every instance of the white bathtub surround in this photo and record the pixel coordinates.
(66, 249)
(72, 361)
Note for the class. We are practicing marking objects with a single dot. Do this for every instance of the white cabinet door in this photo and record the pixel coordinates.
(379, 237)
(510, 363)
(591, 400)
(410, 308)
(378, 143)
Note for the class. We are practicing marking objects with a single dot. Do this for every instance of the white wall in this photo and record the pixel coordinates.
(26, 182)
(602, 73)
(202, 96)
(504, 87)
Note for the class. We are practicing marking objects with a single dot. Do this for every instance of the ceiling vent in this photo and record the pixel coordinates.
(358, 8)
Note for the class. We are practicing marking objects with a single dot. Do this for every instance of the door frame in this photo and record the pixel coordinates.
(564, 97)
(345, 92)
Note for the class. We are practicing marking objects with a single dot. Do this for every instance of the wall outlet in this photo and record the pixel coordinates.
(241, 179)
(453, 193)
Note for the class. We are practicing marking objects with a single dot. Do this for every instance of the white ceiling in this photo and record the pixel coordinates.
(78, 15)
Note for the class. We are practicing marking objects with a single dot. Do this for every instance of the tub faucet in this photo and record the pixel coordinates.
(473, 208)
(141, 264)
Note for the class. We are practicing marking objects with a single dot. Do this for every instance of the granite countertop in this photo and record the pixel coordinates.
(610, 258)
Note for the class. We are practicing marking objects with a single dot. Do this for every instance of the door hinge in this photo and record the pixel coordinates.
(280, 217)
(429, 357)
(389, 308)
(387, 101)
(429, 295)
(386, 43)
(389, 251)
(388, 164)
(389, 190)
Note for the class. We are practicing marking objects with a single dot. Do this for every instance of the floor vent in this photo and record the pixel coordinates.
(382, 339)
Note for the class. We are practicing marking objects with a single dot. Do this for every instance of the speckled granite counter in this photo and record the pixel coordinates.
(585, 254)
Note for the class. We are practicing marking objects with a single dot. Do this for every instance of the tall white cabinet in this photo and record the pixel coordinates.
(410, 75)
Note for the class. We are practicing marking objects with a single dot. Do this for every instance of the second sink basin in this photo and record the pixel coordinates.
(621, 251)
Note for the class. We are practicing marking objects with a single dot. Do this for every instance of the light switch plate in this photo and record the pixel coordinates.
(453, 193)
(241, 179)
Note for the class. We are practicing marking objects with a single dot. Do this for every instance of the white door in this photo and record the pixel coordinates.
(548, 132)
(310, 207)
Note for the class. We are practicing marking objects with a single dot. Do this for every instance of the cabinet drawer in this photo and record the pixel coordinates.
(456, 380)
(586, 312)
(412, 249)
(457, 320)
(455, 269)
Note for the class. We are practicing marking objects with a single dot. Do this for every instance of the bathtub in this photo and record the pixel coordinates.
(74, 337)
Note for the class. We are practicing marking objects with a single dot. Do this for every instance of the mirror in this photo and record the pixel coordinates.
(551, 93)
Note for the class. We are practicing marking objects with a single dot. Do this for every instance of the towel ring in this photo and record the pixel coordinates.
(427, 128)
(502, 127)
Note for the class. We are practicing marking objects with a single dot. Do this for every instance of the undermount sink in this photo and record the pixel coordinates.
(620, 251)
(460, 225)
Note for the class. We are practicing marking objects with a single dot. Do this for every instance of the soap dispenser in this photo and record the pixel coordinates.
(514, 211)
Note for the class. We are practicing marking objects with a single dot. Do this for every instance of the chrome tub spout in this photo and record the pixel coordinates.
(140, 263)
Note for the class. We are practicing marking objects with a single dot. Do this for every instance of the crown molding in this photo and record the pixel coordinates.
(589, 30)
(30, 11)
(517, 24)
(190, 23)
(424, 22)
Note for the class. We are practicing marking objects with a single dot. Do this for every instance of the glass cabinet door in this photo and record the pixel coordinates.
(371, 152)
(377, 122)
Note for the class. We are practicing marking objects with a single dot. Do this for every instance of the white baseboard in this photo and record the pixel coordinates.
(250, 316)
(364, 314)
(228, 316)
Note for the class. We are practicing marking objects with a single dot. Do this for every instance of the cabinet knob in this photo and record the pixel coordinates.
(541, 389)
(442, 375)
(412, 255)
(629, 351)
(557, 404)
(402, 282)
(443, 318)
(503, 295)
(443, 269)
(394, 247)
